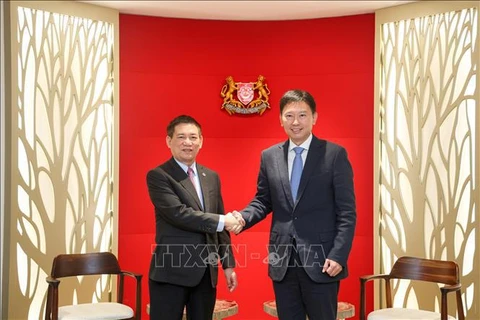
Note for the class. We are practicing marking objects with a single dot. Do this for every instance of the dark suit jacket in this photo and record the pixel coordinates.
(187, 242)
(323, 219)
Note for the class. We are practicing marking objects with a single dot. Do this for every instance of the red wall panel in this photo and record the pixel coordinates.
(170, 67)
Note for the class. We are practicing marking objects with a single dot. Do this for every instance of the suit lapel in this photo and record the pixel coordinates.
(312, 159)
(181, 176)
(203, 178)
(282, 165)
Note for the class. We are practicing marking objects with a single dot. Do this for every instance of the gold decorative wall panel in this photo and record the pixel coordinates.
(63, 137)
(428, 191)
(2, 152)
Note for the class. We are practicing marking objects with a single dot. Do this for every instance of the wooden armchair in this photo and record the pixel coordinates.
(445, 272)
(71, 265)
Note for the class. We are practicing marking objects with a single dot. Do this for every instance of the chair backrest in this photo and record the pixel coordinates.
(412, 268)
(67, 265)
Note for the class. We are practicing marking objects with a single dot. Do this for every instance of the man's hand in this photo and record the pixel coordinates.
(239, 217)
(234, 222)
(231, 277)
(332, 268)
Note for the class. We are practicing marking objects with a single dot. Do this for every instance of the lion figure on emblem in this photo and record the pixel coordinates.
(263, 92)
(227, 92)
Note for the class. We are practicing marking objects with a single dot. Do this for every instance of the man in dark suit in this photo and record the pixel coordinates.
(312, 232)
(190, 230)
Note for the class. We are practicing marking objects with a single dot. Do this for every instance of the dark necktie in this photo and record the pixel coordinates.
(296, 171)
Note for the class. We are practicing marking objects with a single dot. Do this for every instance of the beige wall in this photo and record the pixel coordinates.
(426, 96)
(61, 147)
(2, 147)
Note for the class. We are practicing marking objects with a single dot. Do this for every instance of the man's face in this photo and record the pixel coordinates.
(297, 120)
(185, 143)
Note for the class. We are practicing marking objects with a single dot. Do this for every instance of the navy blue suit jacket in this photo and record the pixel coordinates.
(323, 218)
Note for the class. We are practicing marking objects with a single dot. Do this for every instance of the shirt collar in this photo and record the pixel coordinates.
(305, 145)
(185, 167)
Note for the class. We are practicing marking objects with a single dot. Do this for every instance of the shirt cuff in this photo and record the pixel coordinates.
(221, 223)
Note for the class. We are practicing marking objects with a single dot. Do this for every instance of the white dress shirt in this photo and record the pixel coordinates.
(198, 187)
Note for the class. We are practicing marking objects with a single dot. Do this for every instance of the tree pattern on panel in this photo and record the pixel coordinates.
(64, 134)
(428, 204)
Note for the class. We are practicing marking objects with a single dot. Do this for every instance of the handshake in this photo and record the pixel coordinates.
(234, 222)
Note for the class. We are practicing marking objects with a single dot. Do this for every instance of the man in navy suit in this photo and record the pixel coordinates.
(190, 230)
(312, 234)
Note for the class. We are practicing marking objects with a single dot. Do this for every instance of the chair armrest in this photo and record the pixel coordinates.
(132, 274)
(450, 288)
(444, 305)
(51, 307)
(363, 281)
(138, 291)
(52, 281)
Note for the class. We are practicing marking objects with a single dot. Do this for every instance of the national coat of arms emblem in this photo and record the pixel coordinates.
(245, 101)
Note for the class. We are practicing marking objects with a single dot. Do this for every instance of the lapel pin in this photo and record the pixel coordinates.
(203, 174)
